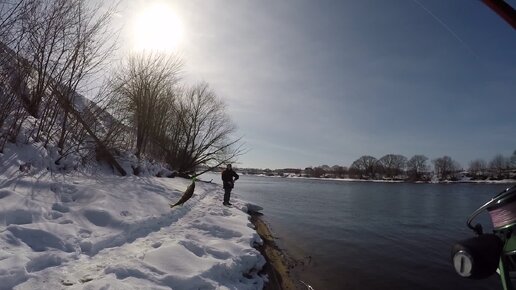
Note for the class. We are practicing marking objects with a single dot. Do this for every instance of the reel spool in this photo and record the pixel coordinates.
(501, 209)
(479, 257)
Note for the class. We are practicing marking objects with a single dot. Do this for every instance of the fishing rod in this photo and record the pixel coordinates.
(503, 9)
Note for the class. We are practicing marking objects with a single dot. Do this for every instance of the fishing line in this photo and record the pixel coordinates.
(447, 27)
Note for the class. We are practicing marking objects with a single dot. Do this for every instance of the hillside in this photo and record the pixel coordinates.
(91, 229)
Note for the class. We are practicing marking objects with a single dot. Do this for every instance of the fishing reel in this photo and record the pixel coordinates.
(481, 256)
(478, 257)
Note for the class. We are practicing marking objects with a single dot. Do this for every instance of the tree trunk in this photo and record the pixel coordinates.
(100, 145)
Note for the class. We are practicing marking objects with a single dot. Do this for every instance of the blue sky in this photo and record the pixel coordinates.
(324, 82)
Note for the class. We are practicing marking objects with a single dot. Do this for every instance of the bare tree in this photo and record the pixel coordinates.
(417, 167)
(308, 171)
(107, 120)
(56, 44)
(478, 168)
(319, 171)
(366, 166)
(186, 127)
(498, 165)
(393, 164)
(339, 171)
(446, 168)
(12, 115)
(53, 47)
(513, 160)
(42, 33)
(145, 86)
(199, 131)
(9, 16)
(88, 50)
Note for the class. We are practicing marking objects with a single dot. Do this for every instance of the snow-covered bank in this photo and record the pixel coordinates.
(81, 231)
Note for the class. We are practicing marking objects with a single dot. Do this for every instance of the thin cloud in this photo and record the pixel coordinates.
(447, 27)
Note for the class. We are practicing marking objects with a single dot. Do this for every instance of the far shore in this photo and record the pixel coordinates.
(503, 181)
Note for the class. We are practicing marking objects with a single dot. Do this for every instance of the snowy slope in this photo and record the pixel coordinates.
(100, 231)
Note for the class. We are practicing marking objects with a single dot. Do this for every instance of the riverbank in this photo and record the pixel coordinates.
(280, 267)
(503, 181)
(96, 230)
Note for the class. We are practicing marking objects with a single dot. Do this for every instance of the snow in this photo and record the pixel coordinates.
(94, 230)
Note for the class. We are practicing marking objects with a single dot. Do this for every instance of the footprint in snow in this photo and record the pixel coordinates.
(18, 217)
(4, 193)
(217, 231)
(67, 282)
(55, 215)
(99, 218)
(56, 187)
(60, 208)
(83, 233)
(193, 247)
(125, 213)
(42, 262)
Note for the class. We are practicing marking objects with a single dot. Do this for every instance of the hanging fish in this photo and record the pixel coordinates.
(187, 195)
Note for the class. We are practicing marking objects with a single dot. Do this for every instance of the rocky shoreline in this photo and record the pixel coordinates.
(280, 267)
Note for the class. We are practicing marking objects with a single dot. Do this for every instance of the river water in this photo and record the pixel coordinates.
(365, 235)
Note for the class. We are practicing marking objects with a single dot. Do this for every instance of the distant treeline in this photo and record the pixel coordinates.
(399, 167)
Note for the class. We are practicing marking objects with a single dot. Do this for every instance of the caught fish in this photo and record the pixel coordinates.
(186, 196)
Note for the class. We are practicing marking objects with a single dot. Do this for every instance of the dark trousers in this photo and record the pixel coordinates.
(227, 194)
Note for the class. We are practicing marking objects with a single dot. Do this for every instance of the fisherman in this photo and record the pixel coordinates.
(228, 182)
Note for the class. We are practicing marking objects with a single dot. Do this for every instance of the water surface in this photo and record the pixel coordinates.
(362, 235)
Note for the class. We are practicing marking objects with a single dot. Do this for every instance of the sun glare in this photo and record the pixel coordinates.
(157, 28)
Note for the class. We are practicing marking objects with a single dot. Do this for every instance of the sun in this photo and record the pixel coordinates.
(157, 28)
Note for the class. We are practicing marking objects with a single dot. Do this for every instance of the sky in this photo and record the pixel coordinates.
(325, 82)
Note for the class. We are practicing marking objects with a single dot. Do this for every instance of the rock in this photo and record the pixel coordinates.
(253, 208)
(25, 168)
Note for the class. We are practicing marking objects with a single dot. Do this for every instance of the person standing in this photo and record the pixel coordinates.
(228, 181)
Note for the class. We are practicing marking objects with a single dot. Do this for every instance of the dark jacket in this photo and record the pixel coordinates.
(227, 178)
